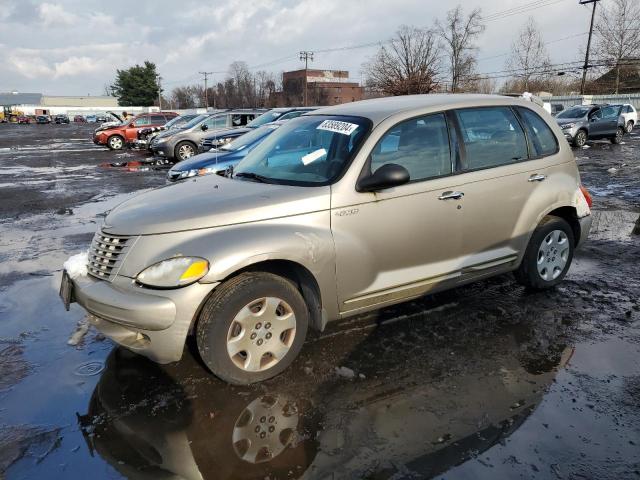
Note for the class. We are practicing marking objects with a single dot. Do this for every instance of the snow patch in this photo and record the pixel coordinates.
(76, 265)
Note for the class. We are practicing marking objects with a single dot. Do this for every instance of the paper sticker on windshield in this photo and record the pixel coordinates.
(313, 156)
(336, 126)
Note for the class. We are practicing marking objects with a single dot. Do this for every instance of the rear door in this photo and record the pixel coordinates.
(502, 170)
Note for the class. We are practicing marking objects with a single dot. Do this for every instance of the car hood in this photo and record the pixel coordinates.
(211, 201)
(203, 160)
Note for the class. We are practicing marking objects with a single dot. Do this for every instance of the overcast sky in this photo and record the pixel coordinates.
(73, 47)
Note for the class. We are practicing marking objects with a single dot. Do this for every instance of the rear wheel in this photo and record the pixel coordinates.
(185, 150)
(115, 142)
(548, 255)
(252, 327)
(629, 126)
(580, 139)
(618, 138)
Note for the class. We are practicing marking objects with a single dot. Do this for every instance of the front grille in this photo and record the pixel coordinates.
(106, 254)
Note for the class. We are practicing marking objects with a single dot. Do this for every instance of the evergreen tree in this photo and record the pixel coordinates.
(136, 86)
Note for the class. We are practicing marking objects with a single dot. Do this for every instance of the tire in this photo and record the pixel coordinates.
(115, 142)
(545, 263)
(185, 150)
(617, 140)
(235, 335)
(629, 126)
(580, 139)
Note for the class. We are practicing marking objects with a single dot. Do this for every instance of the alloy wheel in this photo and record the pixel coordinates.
(553, 255)
(185, 151)
(261, 334)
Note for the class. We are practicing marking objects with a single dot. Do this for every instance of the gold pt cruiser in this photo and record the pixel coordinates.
(340, 211)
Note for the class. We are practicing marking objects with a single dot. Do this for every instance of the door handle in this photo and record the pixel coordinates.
(538, 177)
(449, 195)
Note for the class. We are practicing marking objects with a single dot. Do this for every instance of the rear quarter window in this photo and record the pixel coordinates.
(492, 137)
(543, 141)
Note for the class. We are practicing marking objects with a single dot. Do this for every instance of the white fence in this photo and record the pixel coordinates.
(569, 100)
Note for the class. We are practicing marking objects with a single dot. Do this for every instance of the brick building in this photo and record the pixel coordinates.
(324, 87)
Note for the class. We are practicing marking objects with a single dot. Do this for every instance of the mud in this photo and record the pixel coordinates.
(485, 381)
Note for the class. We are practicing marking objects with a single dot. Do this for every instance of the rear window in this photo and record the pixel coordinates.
(543, 141)
(142, 121)
(492, 137)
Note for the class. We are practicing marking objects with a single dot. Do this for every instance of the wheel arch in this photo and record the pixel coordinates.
(303, 279)
(570, 215)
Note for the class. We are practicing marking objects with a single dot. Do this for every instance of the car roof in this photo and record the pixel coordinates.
(378, 109)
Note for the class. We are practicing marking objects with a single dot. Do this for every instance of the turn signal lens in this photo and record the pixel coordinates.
(196, 271)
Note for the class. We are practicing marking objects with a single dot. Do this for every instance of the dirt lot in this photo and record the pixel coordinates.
(486, 381)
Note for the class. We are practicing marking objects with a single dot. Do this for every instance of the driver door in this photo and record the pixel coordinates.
(400, 242)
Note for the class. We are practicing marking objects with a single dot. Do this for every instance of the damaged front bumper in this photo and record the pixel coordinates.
(153, 323)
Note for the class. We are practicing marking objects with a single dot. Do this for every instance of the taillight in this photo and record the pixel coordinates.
(587, 195)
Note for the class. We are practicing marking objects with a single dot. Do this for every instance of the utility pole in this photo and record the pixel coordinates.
(206, 97)
(159, 92)
(306, 56)
(586, 56)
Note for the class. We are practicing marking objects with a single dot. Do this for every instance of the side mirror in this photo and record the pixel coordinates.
(387, 176)
(204, 127)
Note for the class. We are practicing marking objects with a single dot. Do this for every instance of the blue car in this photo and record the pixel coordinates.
(219, 159)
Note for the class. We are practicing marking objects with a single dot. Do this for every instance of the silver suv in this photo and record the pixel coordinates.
(180, 144)
(591, 122)
(342, 211)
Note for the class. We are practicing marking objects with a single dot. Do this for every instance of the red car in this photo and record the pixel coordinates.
(116, 138)
(24, 119)
(79, 119)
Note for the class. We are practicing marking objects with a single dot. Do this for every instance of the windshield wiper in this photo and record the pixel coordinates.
(253, 176)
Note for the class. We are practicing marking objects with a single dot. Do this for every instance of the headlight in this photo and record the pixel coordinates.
(567, 125)
(220, 141)
(174, 272)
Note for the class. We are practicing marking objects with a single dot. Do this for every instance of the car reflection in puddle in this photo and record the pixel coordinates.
(438, 402)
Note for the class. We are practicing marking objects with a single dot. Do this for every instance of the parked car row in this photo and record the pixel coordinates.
(341, 211)
(599, 121)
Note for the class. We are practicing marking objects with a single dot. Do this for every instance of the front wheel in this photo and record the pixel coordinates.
(618, 138)
(548, 255)
(185, 150)
(580, 139)
(115, 142)
(252, 327)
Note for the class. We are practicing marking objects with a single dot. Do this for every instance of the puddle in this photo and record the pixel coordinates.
(89, 369)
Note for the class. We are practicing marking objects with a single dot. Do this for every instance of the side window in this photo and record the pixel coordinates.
(142, 121)
(542, 138)
(421, 145)
(158, 120)
(610, 112)
(596, 114)
(492, 137)
(216, 122)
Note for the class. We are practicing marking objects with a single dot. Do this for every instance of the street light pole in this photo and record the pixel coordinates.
(159, 93)
(586, 56)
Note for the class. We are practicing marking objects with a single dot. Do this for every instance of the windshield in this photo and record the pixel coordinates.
(268, 117)
(574, 112)
(309, 150)
(248, 139)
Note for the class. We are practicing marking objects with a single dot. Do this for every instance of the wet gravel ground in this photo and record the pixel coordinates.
(486, 381)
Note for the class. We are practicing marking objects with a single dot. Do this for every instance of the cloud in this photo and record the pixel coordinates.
(54, 15)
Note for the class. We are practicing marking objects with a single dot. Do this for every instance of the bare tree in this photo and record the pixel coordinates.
(410, 63)
(617, 35)
(529, 57)
(459, 34)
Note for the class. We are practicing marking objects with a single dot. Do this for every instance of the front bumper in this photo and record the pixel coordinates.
(153, 323)
(163, 149)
